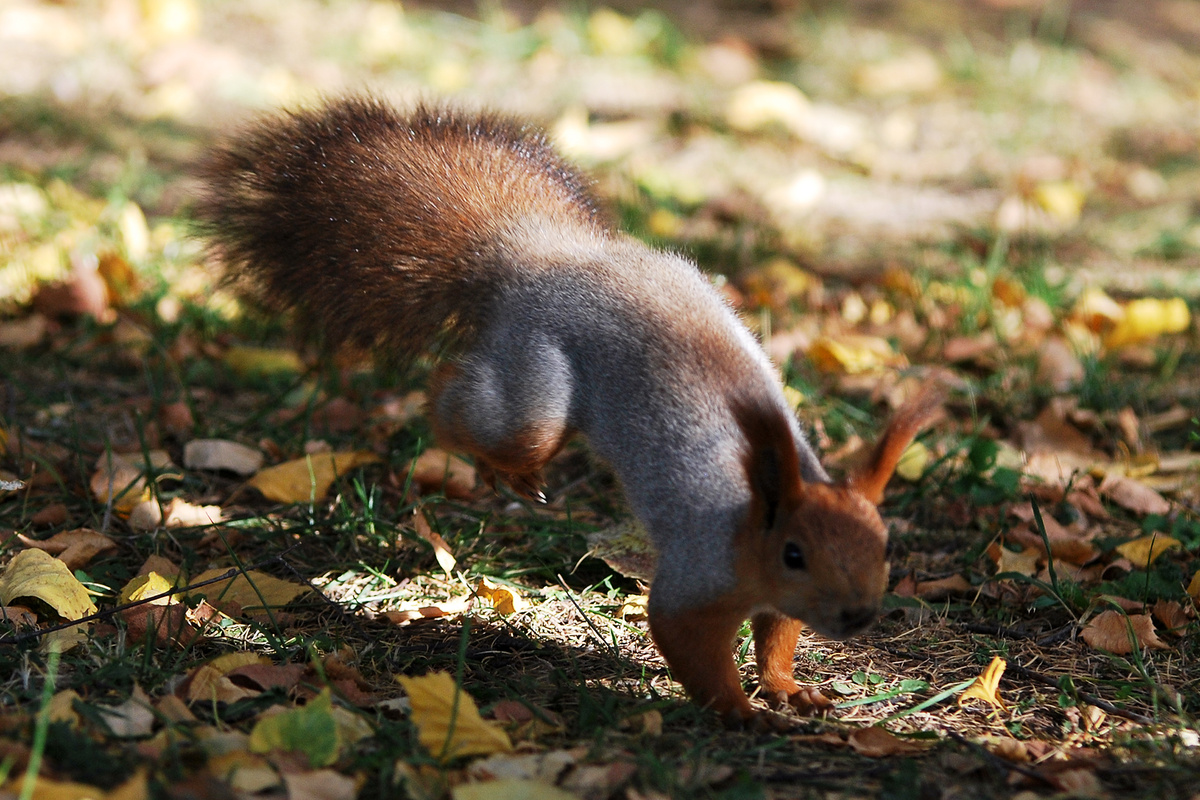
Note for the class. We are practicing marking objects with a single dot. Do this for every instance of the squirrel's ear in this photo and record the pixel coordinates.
(910, 419)
(771, 461)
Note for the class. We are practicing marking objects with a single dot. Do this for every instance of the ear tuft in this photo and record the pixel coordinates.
(909, 420)
(771, 461)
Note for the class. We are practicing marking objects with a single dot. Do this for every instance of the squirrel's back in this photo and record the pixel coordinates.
(385, 229)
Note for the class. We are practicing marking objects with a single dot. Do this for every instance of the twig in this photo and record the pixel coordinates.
(603, 642)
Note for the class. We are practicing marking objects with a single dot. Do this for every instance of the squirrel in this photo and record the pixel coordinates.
(436, 229)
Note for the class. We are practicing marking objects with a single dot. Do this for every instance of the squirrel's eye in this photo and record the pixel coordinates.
(793, 556)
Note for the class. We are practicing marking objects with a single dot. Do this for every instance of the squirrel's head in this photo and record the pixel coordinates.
(819, 552)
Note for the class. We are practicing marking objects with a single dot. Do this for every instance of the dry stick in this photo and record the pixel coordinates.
(1090, 699)
(233, 572)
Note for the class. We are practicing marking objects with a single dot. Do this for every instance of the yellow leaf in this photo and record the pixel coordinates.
(1023, 563)
(1063, 200)
(913, 461)
(308, 478)
(36, 573)
(1142, 551)
(503, 598)
(1147, 319)
(986, 685)
(1193, 589)
(448, 723)
(509, 789)
(263, 361)
(144, 586)
(763, 104)
(1096, 310)
(854, 355)
(251, 590)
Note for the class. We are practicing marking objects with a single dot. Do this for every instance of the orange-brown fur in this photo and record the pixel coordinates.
(440, 229)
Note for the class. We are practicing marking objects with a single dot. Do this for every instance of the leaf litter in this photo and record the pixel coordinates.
(869, 216)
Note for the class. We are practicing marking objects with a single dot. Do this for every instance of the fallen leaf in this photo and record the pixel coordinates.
(74, 548)
(1143, 551)
(321, 784)
(146, 585)
(1008, 748)
(1193, 588)
(309, 730)
(250, 590)
(877, 742)
(36, 573)
(447, 720)
(503, 598)
(51, 515)
(61, 708)
(1133, 495)
(1110, 630)
(263, 361)
(542, 767)
(599, 780)
(986, 686)
(306, 479)
(510, 789)
(854, 355)
(913, 461)
(436, 470)
(1147, 319)
(1022, 563)
(18, 617)
(245, 772)
(626, 548)
(943, 588)
(217, 454)
(1172, 615)
(441, 550)
(132, 719)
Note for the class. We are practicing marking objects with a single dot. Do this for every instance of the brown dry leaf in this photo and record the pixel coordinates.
(51, 515)
(1143, 551)
(269, 676)
(877, 742)
(1052, 432)
(132, 719)
(1008, 748)
(23, 333)
(1133, 495)
(504, 599)
(18, 617)
(1110, 630)
(599, 780)
(943, 588)
(447, 720)
(217, 454)
(1080, 782)
(986, 686)
(306, 479)
(441, 550)
(74, 548)
(626, 548)
(1172, 615)
(250, 590)
(436, 470)
(320, 784)
(447, 608)
(120, 478)
(82, 292)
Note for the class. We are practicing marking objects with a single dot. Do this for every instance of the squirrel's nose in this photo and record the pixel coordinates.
(856, 619)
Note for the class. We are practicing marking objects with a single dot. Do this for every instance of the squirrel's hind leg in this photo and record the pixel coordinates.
(511, 417)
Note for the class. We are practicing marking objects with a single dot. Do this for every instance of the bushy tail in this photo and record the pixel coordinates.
(381, 228)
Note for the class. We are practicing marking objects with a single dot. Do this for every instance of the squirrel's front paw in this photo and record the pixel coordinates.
(807, 701)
